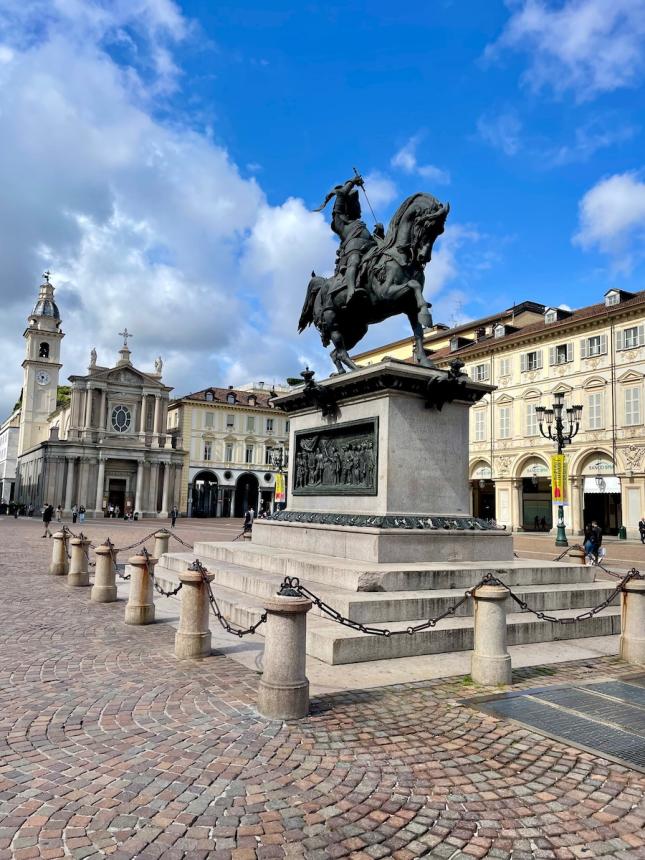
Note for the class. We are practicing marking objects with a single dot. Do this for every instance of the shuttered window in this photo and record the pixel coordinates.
(480, 372)
(480, 425)
(504, 422)
(531, 420)
(594, 411)
(631, 337)
(531, 360)
(594, 345)
(632, 406)
(560, 354)
(504, 366)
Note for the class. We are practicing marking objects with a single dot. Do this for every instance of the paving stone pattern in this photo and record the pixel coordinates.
(110, 747)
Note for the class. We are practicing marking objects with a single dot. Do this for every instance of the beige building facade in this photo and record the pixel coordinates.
(593, 356)
(232, 438)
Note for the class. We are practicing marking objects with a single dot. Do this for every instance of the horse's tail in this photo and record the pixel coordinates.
(307, 312)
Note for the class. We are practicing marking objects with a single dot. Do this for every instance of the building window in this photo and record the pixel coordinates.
(594, 411)
(286, 427)
(268, 456)
(121, 419)
(504, 367)
(209, 396)
(480, 425)
(504, 422)
(250, 423)
(228, 452)
(208, 419)
(612, 298)
(632, 406)
(631, 337)
(531, 420)
(561, 354)
(531, 360)
(551, 316)
(594, 345)
(208, 450)
(230, 422)
(252, 400)
(230, 398)
(269, 425)
(248, 454)
(499, 330)
(481, 372)
(43, 352)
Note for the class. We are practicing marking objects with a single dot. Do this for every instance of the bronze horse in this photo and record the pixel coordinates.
(390, 281)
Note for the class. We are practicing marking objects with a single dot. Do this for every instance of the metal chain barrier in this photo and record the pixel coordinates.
(291, 587)
(230, 627)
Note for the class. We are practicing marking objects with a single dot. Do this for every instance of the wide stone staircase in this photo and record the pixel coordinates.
(397, 596)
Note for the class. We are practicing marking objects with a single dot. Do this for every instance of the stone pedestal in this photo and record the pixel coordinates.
(283, 692)
(378, 469)
(104, 588)
(78, 570)
(141, 608)
(632, 637)
(491, 662)
(193, 637)
(59, 564)
(161, 543)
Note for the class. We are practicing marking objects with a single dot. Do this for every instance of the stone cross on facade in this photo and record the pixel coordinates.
(46, 276)
(125, 334)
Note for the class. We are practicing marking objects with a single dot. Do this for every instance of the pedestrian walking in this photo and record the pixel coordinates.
(173, 516)
(81, 514)
(30, 510)
(59, 514)
(248, 520)
(641, 528)
(74, 513)
(48, 513)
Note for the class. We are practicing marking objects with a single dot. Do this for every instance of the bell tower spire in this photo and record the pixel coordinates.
(41, 367)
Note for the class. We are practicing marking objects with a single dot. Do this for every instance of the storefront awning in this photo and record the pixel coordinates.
(606, 484)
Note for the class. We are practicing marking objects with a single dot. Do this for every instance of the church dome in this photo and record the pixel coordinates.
(46, 306)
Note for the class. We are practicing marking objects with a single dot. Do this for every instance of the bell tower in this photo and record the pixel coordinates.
(41, 368)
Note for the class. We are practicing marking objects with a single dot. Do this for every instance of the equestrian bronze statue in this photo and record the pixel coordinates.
(377, 275)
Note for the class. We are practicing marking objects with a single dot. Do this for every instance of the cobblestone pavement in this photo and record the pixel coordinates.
(110, 747)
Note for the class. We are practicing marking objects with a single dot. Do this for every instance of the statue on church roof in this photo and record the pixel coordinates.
(158, 365)
(93, 357)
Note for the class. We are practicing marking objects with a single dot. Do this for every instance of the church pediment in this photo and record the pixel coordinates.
(125, 376)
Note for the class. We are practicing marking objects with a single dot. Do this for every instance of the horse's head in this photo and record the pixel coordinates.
(426, 226)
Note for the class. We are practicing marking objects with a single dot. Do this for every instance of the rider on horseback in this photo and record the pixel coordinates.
(355, 238)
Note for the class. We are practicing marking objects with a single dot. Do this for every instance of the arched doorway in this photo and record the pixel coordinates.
(601, 492)
(205, 486)
(536, 512)
(483, 489)
(246, 494)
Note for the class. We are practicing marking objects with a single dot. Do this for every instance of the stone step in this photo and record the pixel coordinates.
(334, 644)
(354, 576)
(370, 607)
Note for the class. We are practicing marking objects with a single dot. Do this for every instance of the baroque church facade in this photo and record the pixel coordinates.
(106, 444)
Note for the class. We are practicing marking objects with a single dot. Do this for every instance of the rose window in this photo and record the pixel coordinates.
(121, 419)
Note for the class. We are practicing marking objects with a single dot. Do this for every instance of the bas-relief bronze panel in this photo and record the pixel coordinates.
(336, 461)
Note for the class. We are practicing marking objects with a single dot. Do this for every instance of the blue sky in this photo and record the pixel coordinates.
(161, 159)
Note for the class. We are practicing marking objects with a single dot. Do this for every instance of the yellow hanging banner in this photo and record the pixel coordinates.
(559, 479)
(279, 488)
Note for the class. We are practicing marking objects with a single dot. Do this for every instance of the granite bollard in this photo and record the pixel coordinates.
(283, 692)
(491, 662)
(632, 636)
(193, 636)
(59, 564)
(162, 538)
(78, 574)
(104, 588)
(140, 608)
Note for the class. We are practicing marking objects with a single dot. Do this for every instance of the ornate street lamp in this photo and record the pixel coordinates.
(556, 432)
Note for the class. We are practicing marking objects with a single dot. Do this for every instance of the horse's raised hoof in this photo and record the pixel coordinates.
(425, 318)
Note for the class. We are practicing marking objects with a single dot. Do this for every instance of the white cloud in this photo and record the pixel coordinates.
(598, 134)
(406, 160)
(501, 131)
(612, 219)
(586, 46)
(380, 189)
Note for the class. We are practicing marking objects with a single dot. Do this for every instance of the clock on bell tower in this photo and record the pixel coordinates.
(41, 368)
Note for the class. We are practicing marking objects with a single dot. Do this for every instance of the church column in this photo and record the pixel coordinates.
(88, 408)
(164, 495)
(152, 488)
(139, 488)
(103, 417)
(142, 416)
(82, 482)
(155, 423)
(69, 488)
(99, 486)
